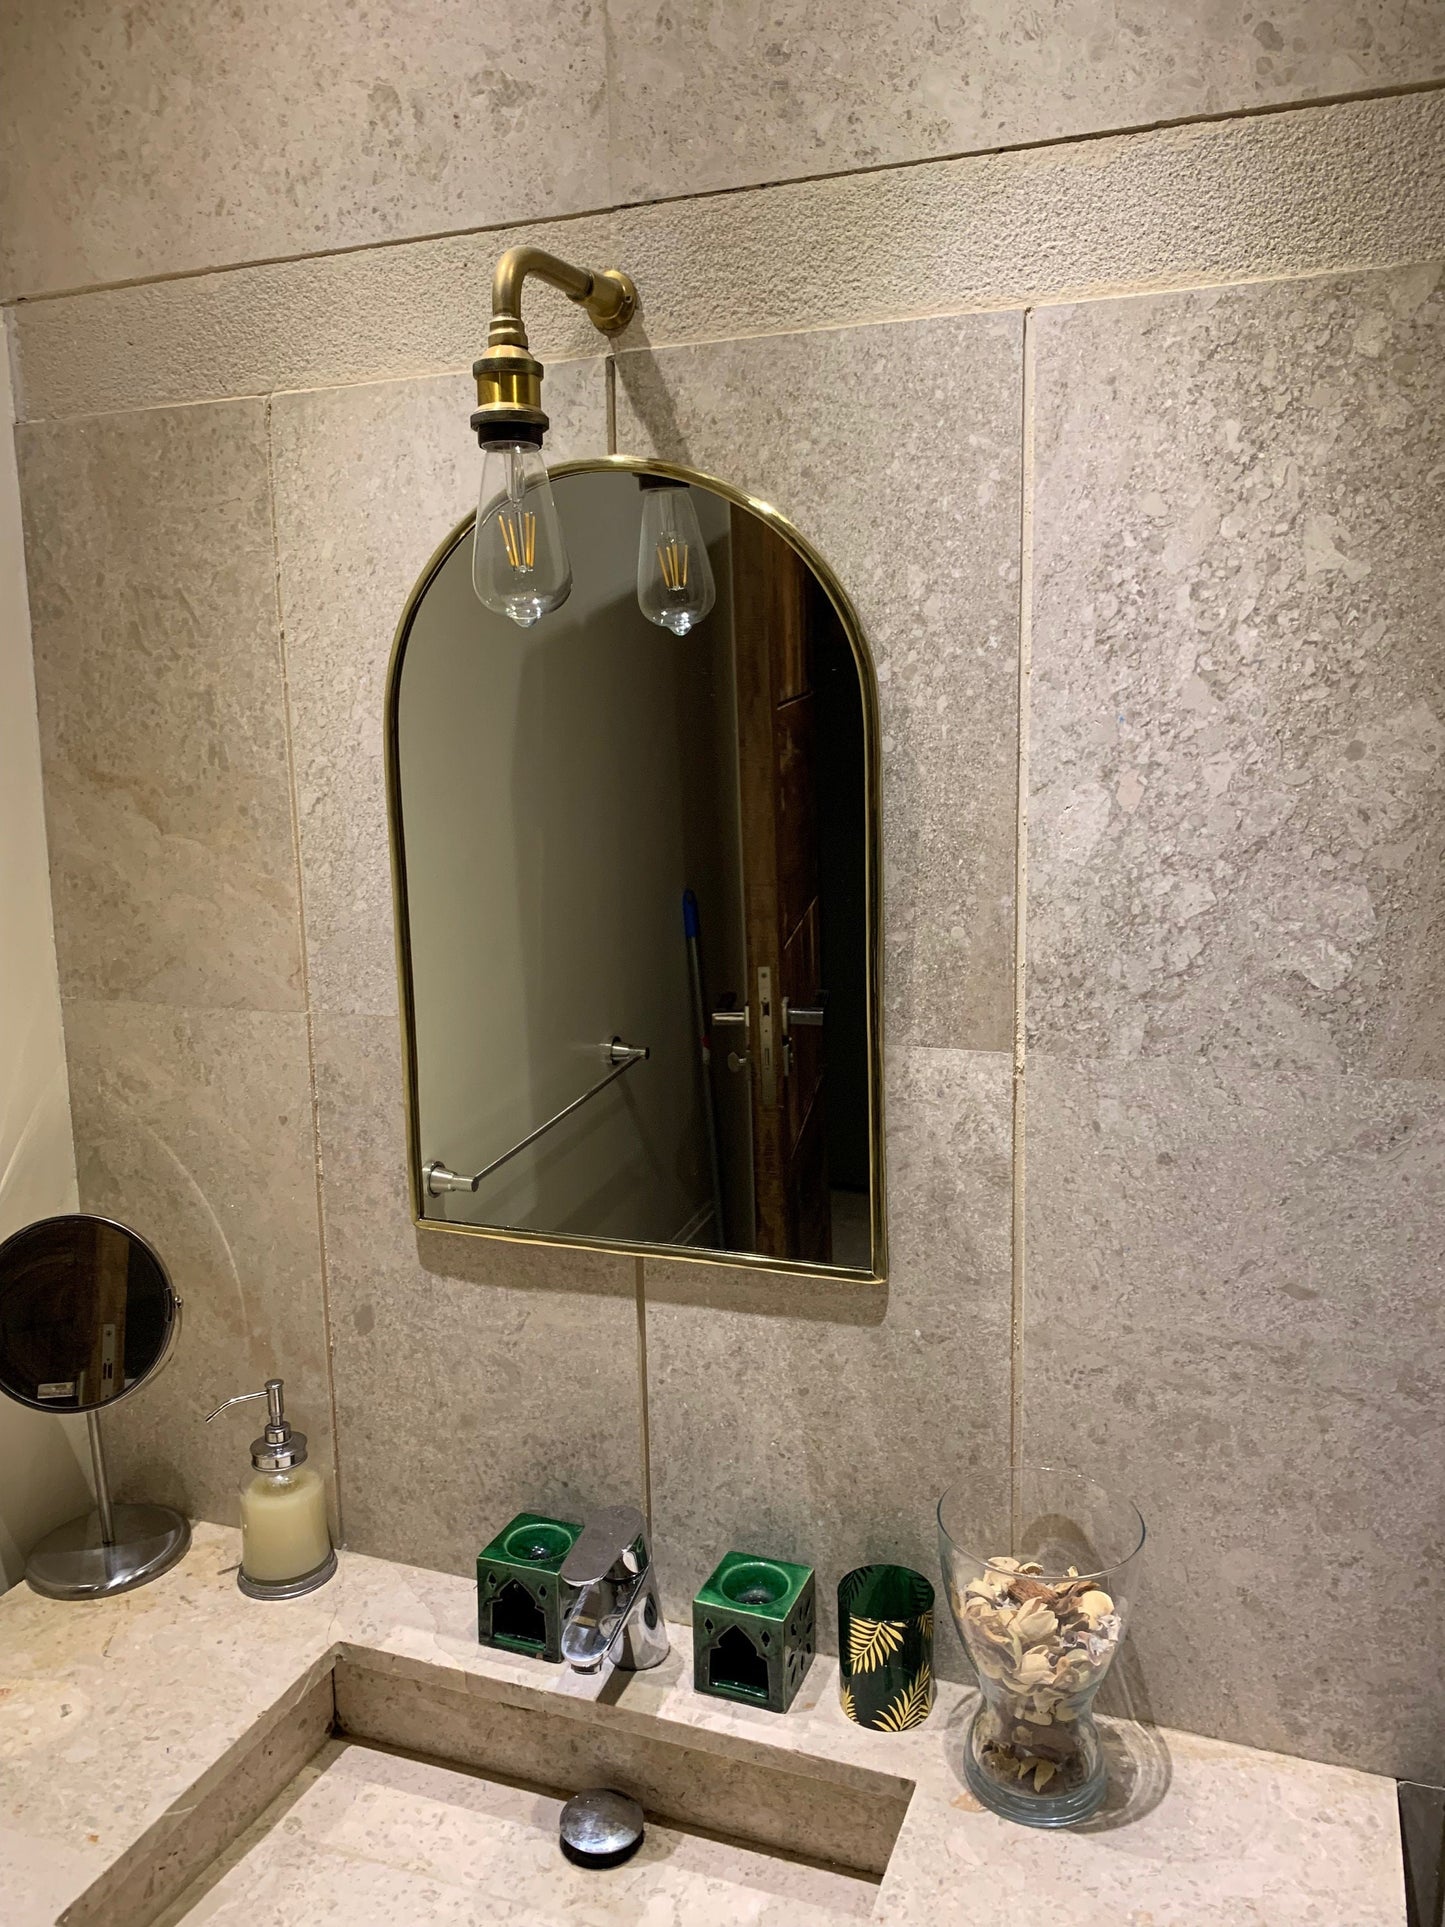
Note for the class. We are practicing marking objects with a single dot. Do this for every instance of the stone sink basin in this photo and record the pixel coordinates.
(183, 1754)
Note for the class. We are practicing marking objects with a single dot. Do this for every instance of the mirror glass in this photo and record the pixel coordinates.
(86, 1313)
(636, 865)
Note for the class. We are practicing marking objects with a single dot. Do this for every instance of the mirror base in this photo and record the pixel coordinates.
(74, 1562)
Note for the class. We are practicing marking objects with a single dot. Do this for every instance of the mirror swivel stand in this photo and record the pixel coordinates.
(110, 1549)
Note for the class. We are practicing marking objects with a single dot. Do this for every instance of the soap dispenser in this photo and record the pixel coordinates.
(285, 1541)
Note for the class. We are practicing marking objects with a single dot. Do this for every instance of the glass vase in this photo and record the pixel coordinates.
(1041, 1618)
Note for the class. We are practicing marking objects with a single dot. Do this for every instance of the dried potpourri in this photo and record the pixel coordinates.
(1041, 1647)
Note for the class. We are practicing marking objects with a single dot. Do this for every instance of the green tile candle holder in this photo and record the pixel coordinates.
(885, 1647)
(519, 1594)
(754, 1631)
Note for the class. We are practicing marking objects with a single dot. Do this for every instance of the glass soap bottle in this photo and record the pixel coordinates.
(285, 1540)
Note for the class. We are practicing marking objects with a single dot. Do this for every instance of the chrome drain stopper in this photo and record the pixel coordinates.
(601, 1828)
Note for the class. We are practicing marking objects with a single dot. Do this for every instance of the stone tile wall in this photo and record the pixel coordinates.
(162, 138)
(1235, 1252)
(1186, 1227)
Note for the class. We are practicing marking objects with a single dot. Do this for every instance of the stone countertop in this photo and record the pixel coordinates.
(118, 1719)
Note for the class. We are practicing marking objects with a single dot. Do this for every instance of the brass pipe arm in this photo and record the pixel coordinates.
(509, 377)
(609, 296)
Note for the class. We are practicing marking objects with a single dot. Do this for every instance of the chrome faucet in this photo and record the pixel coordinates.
(613, 1611)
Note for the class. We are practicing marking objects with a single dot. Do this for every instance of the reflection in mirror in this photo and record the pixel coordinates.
(637, 888)
(86, 1313)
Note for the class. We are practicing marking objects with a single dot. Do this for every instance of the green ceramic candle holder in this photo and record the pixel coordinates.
(519, 1595)
(753, 1631)
(885, 1647)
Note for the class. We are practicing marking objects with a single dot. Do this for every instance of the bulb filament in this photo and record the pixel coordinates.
(519, 538)
(672, 560)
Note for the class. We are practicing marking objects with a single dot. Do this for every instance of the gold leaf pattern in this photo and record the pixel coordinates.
(911, 1707)
(871, 1641)
(845, 1693)
(925, 1626)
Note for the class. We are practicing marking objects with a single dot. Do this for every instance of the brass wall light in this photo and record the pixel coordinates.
(519, 559)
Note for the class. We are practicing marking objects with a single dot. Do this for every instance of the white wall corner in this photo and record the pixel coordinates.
(41, 1481)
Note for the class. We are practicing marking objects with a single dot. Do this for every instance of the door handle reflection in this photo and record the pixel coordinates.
(805, 1016)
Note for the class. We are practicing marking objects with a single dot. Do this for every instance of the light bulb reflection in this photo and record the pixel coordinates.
(674, 577)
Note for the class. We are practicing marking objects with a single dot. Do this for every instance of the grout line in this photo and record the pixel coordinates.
(10, 349)
(295, 806)
(1062, 295)
(604, 210)
(1125, 131)
(1021, 852)
(644, 1427)
(320, 386)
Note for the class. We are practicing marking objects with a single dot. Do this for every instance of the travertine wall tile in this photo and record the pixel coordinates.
(173, 873)
(474, 1378)
(1235, 1134)
(779, 1429)
(1238, 719)
(162, 137)
(1233, 1312)
(814, 86)
(195, 1127)
(369, 481)
(160, 141)
(419, 308)
(158, 679)
(1288, 194)
(910, 483)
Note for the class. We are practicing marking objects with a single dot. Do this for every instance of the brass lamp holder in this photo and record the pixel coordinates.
(509, 377)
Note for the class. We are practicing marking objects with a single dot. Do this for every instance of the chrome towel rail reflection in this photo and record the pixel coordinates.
(619, 1055)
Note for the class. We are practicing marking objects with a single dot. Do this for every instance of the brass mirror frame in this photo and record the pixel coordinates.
(873, 902)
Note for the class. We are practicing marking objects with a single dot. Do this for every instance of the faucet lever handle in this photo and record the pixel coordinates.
(613, 1537)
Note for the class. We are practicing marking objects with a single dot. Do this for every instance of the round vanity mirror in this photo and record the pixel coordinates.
(635, 839)
(87, 1316)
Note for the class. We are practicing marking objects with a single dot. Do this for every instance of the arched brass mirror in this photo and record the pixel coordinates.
(635, 846)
